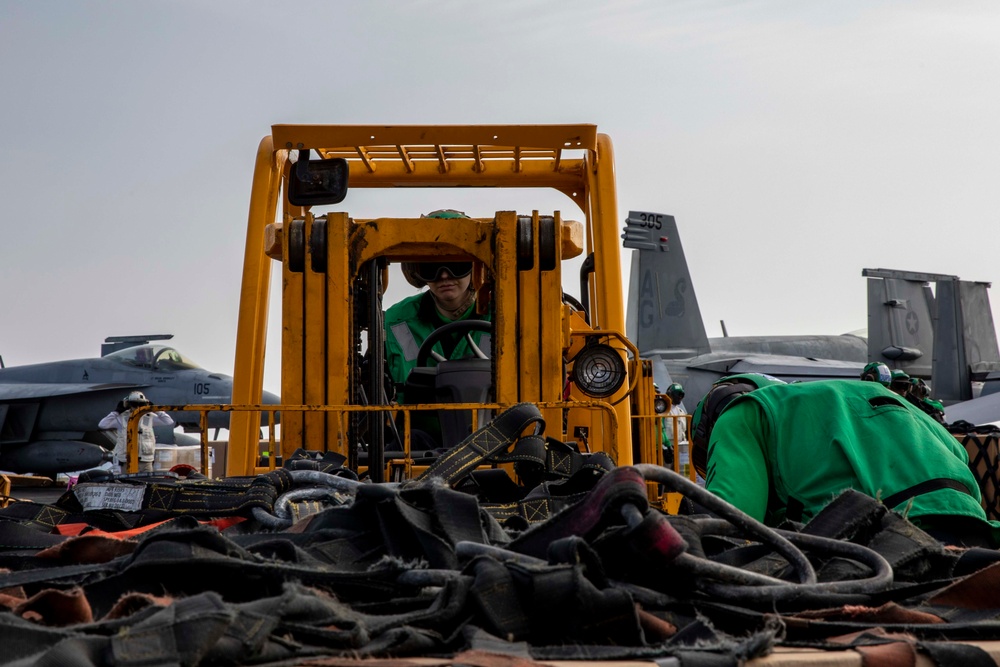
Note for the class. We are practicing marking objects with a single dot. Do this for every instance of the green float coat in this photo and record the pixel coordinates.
(418, 315)
(815, 439)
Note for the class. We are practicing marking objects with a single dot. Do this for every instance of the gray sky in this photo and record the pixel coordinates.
(796, 143)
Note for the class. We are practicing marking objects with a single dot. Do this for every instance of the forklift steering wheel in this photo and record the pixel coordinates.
(465, 326)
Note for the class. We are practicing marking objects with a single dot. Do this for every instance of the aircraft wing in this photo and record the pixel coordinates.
(978, 411)
(19, 391)
(797, 368)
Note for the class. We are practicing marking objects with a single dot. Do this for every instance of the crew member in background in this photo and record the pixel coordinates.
(920, 395)
(778, 451)
(675, 392)
(877, 371)
(900, 382)
(118, 420)
(913, 389)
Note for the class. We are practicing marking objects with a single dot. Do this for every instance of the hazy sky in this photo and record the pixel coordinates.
(796, 143)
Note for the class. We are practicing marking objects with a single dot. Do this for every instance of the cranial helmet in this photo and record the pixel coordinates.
(412, 270)
(877, 371)
(919, 388)
(135, 399)
(445, 213)
(718, 398)
(900, 381)
(676, 393)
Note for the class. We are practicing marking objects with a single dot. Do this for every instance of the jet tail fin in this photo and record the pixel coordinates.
(663, 314)
(901, 310)
(946, 335)
(965, 339)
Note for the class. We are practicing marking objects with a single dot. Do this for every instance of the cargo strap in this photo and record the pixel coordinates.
(936, 484)
(517, 507)
(486, 443)
(125, 503)
(418, 570)
(553, 474)
(795, 507)
(537, 459)
(600, 508)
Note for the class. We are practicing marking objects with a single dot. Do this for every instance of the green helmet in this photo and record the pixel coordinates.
(900, 381)
(877, 371)
(675, 393)
(445, 213)
(723, 392)
(919, 388)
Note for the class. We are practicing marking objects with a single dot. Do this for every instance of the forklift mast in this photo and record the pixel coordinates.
(567, 354)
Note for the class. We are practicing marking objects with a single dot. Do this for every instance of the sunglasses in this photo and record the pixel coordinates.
(431, 271)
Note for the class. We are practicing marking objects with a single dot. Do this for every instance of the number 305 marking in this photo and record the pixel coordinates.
(651, 220)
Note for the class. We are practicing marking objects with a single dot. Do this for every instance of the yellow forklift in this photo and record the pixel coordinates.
(565, 353)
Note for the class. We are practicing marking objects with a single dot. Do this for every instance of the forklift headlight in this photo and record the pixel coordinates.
(660, 405)
(599, 370)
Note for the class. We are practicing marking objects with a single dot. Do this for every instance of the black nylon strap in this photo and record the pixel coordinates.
(532, 510)
(485, 443)
(794, 506)
(922, 488)
(620, 486)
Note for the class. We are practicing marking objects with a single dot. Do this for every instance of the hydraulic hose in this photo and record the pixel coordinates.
(322, 485)
(880, 580)
(749, 525)
(753, 587)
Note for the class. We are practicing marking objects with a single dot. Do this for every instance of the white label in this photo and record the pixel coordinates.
(125, 497)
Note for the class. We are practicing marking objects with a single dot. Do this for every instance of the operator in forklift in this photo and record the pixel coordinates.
(432, 317)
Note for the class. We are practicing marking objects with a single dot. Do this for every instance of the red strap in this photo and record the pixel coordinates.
(79, 528)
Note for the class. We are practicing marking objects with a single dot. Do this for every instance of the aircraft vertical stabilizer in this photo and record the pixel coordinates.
(666, 319)
(980, 332)
(901, 312)
(951, 366)
(945, 335)
(965, 341)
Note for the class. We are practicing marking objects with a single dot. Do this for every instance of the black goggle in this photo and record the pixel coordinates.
(431, 271)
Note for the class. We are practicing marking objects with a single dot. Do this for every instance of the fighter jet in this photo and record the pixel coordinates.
(664, 321)
(932, 326)
(49, 411)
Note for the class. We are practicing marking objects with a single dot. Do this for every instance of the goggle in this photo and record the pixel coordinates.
(431, 271)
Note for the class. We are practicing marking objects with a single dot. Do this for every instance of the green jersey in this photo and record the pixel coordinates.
(797, 446)
(407, 325)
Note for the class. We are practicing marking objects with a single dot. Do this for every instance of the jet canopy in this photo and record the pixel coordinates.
(153, 357)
